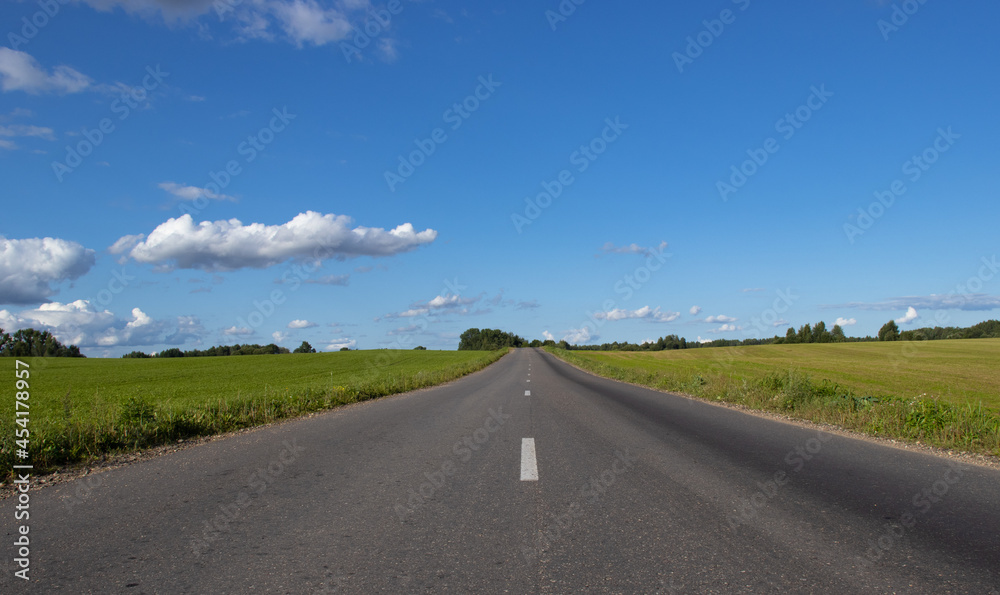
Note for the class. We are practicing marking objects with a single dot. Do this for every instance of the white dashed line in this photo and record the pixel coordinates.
(527, 393)
(529, 465)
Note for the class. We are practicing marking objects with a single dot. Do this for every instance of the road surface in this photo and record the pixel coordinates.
(528, 477)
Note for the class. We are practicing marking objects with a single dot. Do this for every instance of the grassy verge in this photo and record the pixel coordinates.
(89, 408)
(786, 385)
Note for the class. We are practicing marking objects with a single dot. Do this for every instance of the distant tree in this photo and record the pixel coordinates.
(420, 348)
(837, 334)
(305, 348)
(136, 355)
(820, 334)
(790, 336)
(488, 339)
(805, 334)
(536, 343)
(889, 332)
(345, 348)
(548, 343)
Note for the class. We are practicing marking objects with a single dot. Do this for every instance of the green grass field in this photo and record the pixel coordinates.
(946, 393)
(85, 408)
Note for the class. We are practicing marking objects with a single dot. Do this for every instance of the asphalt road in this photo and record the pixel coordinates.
(633, 491)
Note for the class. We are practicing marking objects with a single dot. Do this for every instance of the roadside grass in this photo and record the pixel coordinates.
(82, 409)
(941, 393)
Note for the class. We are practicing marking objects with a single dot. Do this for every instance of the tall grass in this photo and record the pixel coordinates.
(967, 427)
(136, 422)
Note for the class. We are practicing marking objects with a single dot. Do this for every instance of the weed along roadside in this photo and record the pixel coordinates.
(88, 409)
(777, 386)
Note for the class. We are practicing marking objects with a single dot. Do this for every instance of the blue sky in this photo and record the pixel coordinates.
(592, 171)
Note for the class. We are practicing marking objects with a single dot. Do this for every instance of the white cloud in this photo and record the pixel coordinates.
(700, 340)
(329, 280)
(726, 328)
(299, 324)
(695, 310)
(548, 336)
(230, 245)
(949, 301)
(841, 321)
(302, 21)
(441, 304)
(910, 316)
(720, 318)
(305, 21)
(339, 344)
(644, 313)
(24, 130)
(27, 267)
(610, 248)
(780, 322)
(80, 323)
(279, 337)
(21, 72)
(238, 331)
(578, 336)
(192, 192)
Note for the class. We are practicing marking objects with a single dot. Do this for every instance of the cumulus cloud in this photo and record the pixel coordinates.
(548, 336)
(19, 71)
(579, 336)
(780, 322)
(610, 248)
(237, 331)
(300, 324)
(720, 318)
(644, 313)
(279, 336)
(841, 321)
(910, 316)
(528, 305)
(192, 192)
(230, 245)
(441, 304)
(305, 21)
(726, 328)
(695, 310)
(339, 344)
(80, 323)
(29, 266)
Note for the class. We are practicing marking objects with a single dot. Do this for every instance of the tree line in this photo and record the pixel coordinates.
(224, 350)
(29, 342)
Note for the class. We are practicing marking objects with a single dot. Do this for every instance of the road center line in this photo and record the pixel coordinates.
(527, 393)
(529, 465)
